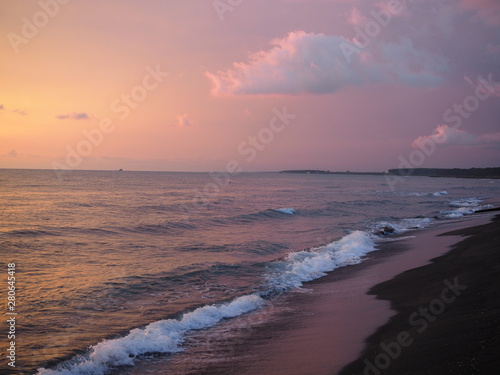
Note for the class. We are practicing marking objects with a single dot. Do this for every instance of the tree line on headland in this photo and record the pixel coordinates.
(428, 172)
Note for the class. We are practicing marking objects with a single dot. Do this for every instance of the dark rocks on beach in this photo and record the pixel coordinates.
(386, 230)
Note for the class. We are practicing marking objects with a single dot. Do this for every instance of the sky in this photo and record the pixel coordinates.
(249, 85)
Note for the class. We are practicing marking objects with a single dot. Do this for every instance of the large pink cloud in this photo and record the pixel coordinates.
(315, 63)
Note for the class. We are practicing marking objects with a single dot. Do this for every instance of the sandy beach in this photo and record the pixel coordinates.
(448, 319)
(326, 326)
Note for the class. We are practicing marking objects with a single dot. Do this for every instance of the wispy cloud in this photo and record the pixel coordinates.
(183, 121)
(446, 135)
(316, 63)
(18, 111)
(74, 116)
(14, 154)
(357, 18)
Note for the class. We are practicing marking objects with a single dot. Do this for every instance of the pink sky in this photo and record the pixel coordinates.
(271, 84)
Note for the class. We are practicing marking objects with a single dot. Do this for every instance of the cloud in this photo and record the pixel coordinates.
(489, 10)
(320, 64)
(445, 135)
(183, 121)
(357, 18)
(74, 116)
(18, 111)
(14, 154)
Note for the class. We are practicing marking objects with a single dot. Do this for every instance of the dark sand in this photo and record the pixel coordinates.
(460, 332)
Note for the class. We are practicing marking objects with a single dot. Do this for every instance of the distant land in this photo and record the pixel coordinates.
(453, 172)
(427, 172)
(318, 171)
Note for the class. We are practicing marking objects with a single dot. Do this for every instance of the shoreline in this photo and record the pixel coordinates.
(448, 312)
(474, 173)
(323, 326)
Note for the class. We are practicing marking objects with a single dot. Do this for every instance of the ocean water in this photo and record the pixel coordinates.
(118, 271)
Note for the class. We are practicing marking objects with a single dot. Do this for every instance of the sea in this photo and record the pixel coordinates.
(121, 272)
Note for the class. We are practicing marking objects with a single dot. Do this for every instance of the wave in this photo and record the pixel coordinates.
(302, 266)
(273, 213)
(386, 228)
(288, 211)
(59, 231)
(262, 247)
(30, 233)
(439, 193)
(167, 336)
(252, 247)
(419, 194)
(466, 206)
(394, 239)
(163, 227)
(164, 336)
(96, 231)
(407, 193)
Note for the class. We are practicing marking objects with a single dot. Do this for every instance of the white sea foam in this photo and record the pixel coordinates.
(440, 193)
(385, 228)
(465, 206)
(404, 193)
(164, 336)
(394, 239)
(302, 266)
(417, 194)
(288, 211)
